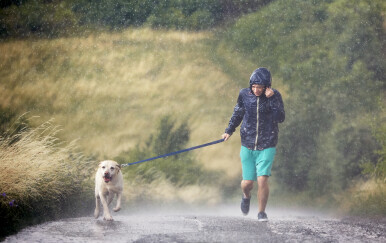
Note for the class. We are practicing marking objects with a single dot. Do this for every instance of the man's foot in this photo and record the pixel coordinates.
(262, 217)
(245, 205)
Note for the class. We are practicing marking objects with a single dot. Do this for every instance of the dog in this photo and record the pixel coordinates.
(108, 182)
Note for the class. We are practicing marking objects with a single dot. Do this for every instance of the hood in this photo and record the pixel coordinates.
(261, 76)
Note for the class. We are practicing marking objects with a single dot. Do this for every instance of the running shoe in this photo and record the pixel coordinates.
(245, 202)
(262, 217)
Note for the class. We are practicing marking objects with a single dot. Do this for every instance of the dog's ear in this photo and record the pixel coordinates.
(119, 166)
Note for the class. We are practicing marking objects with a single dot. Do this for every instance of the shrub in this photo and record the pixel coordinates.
(170, 18)
(200, 20)
(377, 170)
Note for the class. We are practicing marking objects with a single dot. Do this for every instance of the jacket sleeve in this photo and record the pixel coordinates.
(277, 106)
(237, 116)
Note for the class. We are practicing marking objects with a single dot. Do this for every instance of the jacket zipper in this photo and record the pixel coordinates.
(257, 126)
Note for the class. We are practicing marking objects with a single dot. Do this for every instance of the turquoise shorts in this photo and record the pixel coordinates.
(256, 162)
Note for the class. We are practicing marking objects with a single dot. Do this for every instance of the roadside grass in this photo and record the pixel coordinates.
(41, 179)
(366, 198)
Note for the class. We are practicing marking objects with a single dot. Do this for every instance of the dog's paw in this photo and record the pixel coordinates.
(116, 209)
(96, 213)
(108, 218)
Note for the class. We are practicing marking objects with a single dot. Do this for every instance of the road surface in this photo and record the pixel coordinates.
(221, 224)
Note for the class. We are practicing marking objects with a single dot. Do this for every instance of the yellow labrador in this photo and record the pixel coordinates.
(108, 182)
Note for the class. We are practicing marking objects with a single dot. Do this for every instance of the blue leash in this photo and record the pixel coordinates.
(174, 153)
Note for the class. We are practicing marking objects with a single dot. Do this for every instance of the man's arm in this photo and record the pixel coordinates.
(277, 106)
(237, 117)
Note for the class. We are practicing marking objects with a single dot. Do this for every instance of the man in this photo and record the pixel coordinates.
(260, 108)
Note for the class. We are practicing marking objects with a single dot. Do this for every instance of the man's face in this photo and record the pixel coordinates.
(257, 89)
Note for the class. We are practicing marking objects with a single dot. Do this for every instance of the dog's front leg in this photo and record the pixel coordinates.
(106, 212)
(118, 206)
(110, 197)
(97, 206)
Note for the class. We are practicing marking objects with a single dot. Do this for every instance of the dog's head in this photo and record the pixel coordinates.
(109, 169)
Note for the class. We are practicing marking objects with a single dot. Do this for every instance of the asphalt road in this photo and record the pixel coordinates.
(220, 224)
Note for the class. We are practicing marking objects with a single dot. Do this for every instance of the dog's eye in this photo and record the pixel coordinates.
(103, 167)
(112, 168)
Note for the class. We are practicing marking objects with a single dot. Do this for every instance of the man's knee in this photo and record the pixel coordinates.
(247, 184)
(262, 180)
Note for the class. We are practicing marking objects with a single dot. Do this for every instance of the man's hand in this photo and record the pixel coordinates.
(225, 136)
(269, 92)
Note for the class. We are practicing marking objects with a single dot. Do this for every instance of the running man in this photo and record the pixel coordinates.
(260, 108)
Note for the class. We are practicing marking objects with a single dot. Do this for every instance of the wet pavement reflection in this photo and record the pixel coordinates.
(225, 225)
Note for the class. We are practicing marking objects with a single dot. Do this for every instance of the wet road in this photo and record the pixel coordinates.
(216, 225)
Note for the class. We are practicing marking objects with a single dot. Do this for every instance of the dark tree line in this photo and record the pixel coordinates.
(50, 18)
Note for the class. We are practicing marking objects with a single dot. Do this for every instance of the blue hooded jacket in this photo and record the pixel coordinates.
(271, 112)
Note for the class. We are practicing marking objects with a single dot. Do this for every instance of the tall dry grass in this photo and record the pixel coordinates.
(38, 167)
(41, 178)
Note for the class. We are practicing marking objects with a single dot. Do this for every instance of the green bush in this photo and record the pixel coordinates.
(200, 20)
(113, 13)
(167, 18)
(186, 14)
(358, 27)
(377, 168)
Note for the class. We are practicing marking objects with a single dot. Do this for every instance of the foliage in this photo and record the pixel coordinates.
(330, 54)
(37, 17)
(58, 17)
(185, 14)
(377, 170)
(175, 14)
(180, 170)
(6, 3)
(370, 200)
(114, 13)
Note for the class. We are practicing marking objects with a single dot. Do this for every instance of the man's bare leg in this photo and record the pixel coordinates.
(246, 187)
(263, 192)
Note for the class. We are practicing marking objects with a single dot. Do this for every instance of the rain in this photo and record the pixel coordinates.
(128, 80)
